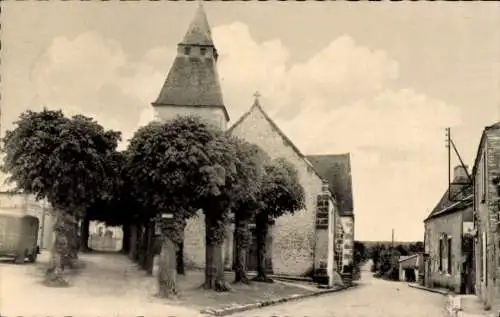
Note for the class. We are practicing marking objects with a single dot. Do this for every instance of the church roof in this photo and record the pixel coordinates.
(199, 32)
(193, 80)
(336, 169)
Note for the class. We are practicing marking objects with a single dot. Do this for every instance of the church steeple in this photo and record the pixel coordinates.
(199, 32)
(192, 84)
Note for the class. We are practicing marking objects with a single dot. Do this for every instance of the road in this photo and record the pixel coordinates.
(372, 298)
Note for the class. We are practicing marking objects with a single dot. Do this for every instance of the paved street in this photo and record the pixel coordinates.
(373, 298)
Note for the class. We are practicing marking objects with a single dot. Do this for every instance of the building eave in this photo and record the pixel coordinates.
(159, 105)
(452, 208)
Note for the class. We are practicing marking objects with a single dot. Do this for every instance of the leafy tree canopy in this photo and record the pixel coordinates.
(250, 162)
(183, 162)
(281, 191)
(59, 158)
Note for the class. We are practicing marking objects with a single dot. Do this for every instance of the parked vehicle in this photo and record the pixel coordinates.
(19, 237)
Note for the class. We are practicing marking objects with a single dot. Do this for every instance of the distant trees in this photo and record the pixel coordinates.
(385, 258)
(66, 161)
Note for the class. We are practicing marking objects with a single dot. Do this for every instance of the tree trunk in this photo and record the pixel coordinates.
(167, 273)
(132, 253)
(150, 249)
(84, 234)
(241, 239)
(180, 260)
(214, 266)
(53, 275)
(262, 228)
(143, 247)
(126, 238)
(180, 251)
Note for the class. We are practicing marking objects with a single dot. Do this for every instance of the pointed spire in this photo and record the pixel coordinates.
(199, 32)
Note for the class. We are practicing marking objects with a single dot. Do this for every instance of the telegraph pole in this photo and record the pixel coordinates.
(392, 248)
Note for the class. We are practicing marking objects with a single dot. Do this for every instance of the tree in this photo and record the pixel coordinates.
(280, 193)
(245, 200)
(179, 167)
(63, 160)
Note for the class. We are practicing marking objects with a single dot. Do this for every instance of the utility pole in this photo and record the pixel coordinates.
(392, 248)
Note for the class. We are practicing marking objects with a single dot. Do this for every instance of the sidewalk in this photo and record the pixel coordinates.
(441, 291)
(466, 306)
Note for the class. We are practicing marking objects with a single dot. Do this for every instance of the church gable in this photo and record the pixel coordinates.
(257, 127)
(293, 235)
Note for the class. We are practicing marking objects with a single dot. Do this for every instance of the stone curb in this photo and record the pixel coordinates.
(239, 308)
(432, 290)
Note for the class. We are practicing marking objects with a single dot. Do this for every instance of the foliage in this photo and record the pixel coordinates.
(281, 191)
(250, 160)
(59, 158)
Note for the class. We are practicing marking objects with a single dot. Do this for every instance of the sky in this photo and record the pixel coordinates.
(381, 81)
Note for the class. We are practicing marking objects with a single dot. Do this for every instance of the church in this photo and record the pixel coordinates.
(316, 241)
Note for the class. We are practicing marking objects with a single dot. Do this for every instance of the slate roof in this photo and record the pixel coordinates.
(193, 80)
(336, 169)
(199, 32)
(464, 193)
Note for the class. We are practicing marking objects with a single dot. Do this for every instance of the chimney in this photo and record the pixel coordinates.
(460, 172)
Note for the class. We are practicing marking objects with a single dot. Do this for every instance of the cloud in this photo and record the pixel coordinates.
(340, 73)
(92, 75)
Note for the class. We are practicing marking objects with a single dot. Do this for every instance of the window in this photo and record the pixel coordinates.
(449, 255)
(203, 51)
(187, 50)
(440, 254)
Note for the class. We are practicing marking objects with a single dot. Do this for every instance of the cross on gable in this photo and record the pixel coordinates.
(256, 95)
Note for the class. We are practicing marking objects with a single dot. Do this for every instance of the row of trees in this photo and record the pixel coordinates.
(173, 168)
(385, 257)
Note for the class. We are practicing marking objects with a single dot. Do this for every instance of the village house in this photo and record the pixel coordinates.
(336, 169)
(409, 267)
(447, 241)
(300, 244)
(486, 217)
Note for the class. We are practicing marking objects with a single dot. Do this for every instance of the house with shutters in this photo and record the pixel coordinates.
(305, 243)
(448, 257)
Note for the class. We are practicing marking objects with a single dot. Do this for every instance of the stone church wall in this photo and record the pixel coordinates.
(293, 235)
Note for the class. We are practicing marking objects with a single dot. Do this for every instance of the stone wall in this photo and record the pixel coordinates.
(293, 235)
(214, 115)
(487, 218)
(450, 225)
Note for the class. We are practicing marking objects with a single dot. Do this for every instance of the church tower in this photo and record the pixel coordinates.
(192, 84)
